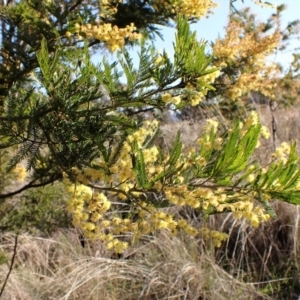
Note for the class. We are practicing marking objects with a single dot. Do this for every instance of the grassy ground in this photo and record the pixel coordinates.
(165, 268)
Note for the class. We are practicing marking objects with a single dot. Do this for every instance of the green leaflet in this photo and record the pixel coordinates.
(128, 69)
(49, 65)
(139, 167)
(228, 150)
(268, 208)
(44, 62)
(293, 182)
(236, 151)
(114, 155)
(175, 151)
(292, 197)
(173, 159)
(208, 86)
(190, 58)
(286, 175)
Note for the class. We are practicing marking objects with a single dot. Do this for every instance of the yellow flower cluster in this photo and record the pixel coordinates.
(245, 209)
(161, 220)
(207, 141)
(153, 219)
(199, 197)
(121, 173)
(122, 170)
(87, 207)
(89, 214)
(113, 36)
(255, 215)
(211, 124)
(196, 98)
(90, 209)
(216, 236)
(188, 8)
(282, 152)
(248, 52)
(209, 78)
(168, 98)
(265, 4)
(187, 228)
(197, 91)
(264, 132)
(239, 44)
(87, 175)
(253, 120)
(20, 173)
(159, 60)
(117, 245)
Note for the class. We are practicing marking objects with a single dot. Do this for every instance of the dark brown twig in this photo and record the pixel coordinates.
(273, 107)
(11, 265)
(30, 185)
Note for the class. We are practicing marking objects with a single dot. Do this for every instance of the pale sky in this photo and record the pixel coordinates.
(213, 27)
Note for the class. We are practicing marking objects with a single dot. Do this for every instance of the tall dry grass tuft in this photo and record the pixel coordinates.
(266, 256)
(258, 250)
(164, 268)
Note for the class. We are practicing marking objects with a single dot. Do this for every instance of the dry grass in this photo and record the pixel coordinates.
(268, 255)
(164, 268)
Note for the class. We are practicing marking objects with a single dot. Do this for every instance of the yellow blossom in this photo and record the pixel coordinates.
(188, 8)
(250, 178)
(176, 100)
(252, 119)
(265, 133)
(112, 36)
(211, 124)
(20, 172)
(166, 97)
(250, 55)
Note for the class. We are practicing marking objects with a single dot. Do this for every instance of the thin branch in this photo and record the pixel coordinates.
(11, 265)
(273, 107)
(75, 5)
(15, 119)
(139, 111)
(29, 186)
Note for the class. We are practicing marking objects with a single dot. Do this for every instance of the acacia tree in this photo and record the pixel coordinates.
(69, 119)
(246, 58)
